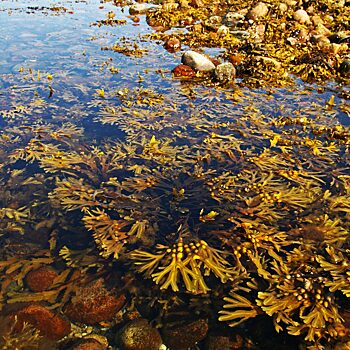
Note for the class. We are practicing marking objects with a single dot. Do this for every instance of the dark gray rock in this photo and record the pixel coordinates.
(344, 68)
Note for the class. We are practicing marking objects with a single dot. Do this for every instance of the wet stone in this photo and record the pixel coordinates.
(259, 11)
(233, 19)
(172, 44)
(223, 31)
(93, 304)
(138, 9)
(213, 23)
(40, 279)
(182, 337)
(88, 344)
(197, 61)
(50, 325)
(139, 335)
(283, 7)
(225, 72)
(183, 71)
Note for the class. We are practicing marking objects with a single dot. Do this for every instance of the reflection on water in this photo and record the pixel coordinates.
(228, 206)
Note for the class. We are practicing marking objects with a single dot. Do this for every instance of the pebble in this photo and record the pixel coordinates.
(258, 11)
(213, 23)
(233, 19)
(172, 44)
(139, 335)
(225, 72)
(197, 61)
(283, 7)
(301, 16)
(223, 30)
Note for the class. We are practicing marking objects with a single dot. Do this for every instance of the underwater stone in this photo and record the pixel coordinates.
(40, 279)
(88, 344)
(93, 304)
(197, 61)
(183, 71)
(50, 325)
(139, 335)
(225, 72)
(182, 337)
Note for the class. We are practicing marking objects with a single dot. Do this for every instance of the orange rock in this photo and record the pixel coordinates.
(135, 19)
(172, 44)
(40, 279)
(236, 59)
(93, 304)
(50, 325)
(183, 71)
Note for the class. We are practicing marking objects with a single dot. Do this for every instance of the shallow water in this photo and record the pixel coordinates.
(55, 75)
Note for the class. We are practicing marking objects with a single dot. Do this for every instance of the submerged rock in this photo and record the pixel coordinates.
(197, 61)
(139, 335)
(225, 72)
(183, 71)
(93, 304)
(182, 337)
(40, 279)
(51, 325)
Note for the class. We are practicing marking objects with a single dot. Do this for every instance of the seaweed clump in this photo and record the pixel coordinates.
(28, 338)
